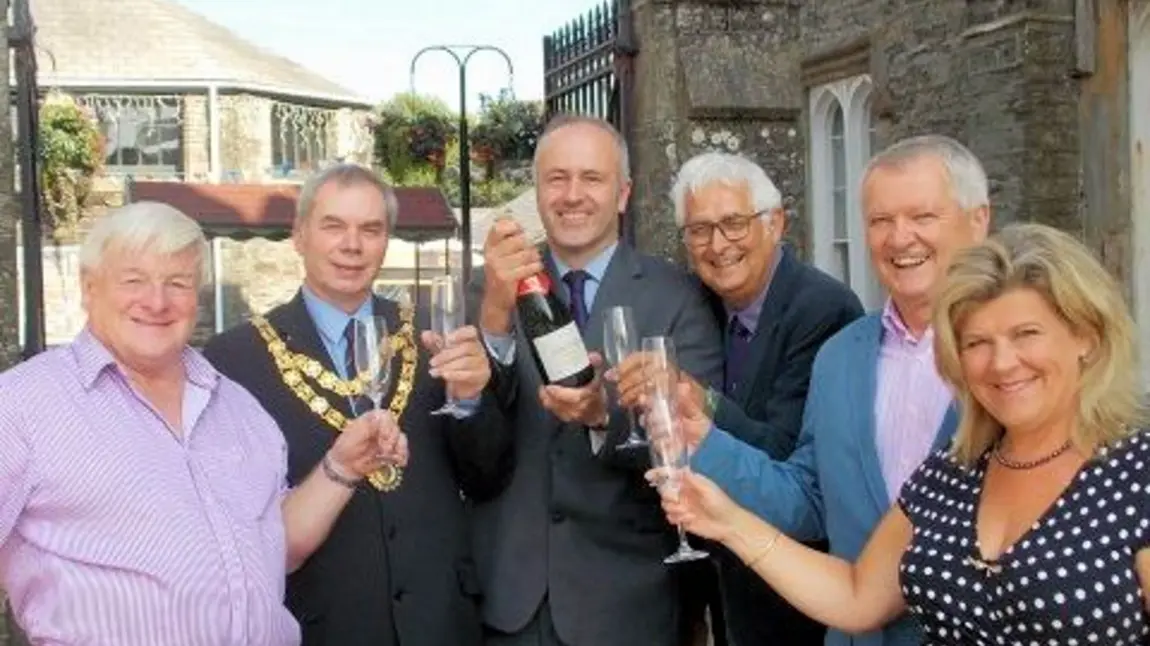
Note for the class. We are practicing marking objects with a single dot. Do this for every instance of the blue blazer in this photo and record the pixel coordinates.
(832, 486)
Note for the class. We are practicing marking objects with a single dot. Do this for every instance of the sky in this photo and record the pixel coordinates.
(367, 45)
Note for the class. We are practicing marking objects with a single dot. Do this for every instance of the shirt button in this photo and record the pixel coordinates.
(557, 517)
(399, 595)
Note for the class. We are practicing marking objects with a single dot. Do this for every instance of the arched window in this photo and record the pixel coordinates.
(842, 133)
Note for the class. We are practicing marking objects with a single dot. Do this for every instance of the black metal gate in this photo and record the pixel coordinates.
(25, 140)
(588, 68)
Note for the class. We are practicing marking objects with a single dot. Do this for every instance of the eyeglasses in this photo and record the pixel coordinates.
(734, 227)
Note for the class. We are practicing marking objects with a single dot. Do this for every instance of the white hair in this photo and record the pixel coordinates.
(144, 226)
(710, 168)
(968, 183)
(563, 120)
(346, 174)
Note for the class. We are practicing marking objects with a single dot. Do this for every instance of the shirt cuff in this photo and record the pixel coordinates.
(598, 439)
(465, 408)
(500, 346)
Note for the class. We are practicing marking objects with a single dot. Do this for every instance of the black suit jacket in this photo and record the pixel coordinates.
(396, 567)
(804, 307)
(584, 529)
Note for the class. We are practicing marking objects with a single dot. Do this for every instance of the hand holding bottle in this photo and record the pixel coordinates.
(508, 257)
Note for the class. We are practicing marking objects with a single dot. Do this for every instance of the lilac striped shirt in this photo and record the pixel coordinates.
(115, 531)
(911, 400)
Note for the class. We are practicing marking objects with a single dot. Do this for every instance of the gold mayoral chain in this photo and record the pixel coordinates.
(294, 366)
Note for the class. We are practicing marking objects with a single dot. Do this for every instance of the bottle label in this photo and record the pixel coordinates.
(562, 352)
(538, 284)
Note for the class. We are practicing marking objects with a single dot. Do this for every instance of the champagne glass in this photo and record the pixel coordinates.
(659, 366)
(669, 456)
(372, 356)
(619, 340)
(446, 316)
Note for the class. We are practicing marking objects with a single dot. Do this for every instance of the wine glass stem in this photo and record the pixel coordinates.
(683, 537)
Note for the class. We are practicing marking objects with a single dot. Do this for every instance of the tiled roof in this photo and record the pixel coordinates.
(103, 42)
(267, 210)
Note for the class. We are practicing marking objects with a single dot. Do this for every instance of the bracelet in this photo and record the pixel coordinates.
(335, 476)
(766, 550)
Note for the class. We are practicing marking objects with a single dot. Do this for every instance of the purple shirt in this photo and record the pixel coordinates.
(911, 400)
(115, 531)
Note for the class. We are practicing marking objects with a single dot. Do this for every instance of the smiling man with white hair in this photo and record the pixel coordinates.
(142, 494)
(777, 312)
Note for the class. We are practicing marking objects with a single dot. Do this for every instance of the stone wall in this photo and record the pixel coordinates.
(1003, 77)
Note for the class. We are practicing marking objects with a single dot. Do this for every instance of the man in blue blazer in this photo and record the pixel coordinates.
(776, 312)
(876, 405)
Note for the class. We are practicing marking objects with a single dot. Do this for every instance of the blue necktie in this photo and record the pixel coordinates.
(575, 280)
(738, 347)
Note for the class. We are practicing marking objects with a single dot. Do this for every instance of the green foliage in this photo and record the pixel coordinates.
(71, 152)
(411, 137)
(416, 144)
(507, 129)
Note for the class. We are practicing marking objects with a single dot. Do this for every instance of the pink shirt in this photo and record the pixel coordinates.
(911, 400)
(116, 532)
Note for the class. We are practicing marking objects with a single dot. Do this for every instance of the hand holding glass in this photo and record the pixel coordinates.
(670, 460)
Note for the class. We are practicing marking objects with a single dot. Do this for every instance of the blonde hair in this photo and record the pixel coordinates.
(1082, 293)
(145, 226)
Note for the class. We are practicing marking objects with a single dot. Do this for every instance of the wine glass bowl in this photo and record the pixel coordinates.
(447, 315)
(372, 356)
(620, 340)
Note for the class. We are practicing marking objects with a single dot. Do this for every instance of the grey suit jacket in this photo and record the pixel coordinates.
(585, 530)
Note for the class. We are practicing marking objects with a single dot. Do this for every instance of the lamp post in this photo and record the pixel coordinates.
(464, 144)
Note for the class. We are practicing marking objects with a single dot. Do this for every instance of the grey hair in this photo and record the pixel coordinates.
(346, 174)
(145, 226)
(724, 168)
(968, 183)
(563, 120)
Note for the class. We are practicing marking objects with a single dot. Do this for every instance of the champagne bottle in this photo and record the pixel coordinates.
(555, 342)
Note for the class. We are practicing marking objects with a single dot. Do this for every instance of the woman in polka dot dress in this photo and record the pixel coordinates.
(1034, 527)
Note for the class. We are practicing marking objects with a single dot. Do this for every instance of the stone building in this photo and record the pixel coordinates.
(204, 114)
(1053, 95)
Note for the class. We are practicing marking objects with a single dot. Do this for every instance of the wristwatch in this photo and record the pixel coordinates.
(710, 402)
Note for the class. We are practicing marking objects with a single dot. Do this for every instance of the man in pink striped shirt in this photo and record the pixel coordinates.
(142, 494)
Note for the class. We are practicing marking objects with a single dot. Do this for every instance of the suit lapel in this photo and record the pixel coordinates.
(612, 291)
(867, 343)
(779, 292)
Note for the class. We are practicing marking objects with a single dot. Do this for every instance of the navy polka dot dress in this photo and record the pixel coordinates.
(1069, 581)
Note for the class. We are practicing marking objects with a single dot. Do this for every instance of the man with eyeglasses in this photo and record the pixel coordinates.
(777, 312)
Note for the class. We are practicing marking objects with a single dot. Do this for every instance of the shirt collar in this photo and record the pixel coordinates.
(894, 326)
(329, 319)
(749, 315)
(595, 269)
(93, 359)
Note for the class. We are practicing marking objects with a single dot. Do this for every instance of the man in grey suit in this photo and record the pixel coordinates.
(571, 553)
